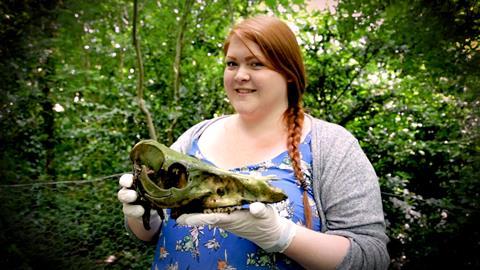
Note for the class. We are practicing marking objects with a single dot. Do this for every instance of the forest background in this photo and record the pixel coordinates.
(402, 76)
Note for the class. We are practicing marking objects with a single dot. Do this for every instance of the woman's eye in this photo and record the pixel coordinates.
(231, 64)
(256, 64)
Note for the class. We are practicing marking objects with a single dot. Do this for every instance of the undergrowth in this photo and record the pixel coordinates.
(67, 227)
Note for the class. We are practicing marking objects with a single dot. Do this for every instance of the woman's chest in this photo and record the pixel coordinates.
(230, 152)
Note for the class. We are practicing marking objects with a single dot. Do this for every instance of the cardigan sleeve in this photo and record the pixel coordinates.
(350, 199)
(183, 143)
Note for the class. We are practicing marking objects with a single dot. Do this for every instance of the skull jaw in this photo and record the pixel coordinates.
(195, 208)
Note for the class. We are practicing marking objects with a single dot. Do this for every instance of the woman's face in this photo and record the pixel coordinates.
(253, 89)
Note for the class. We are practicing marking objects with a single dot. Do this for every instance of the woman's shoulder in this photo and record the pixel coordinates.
(184, 141)
(334, 144)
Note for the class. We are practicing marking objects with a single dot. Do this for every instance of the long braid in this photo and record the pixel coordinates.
(294, 118)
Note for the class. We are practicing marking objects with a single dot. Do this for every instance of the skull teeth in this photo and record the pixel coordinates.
(227, 210)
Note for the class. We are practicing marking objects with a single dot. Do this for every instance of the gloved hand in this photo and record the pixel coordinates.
(126, 195)
(260, 224)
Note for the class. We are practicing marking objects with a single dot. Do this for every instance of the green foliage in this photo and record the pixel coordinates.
(67, 227)
(402, 76)
(423, 135)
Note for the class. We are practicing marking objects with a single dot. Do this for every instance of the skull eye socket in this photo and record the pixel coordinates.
(220, 191)
(176, 176)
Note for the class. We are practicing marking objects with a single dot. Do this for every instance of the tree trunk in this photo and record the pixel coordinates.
(47, 114)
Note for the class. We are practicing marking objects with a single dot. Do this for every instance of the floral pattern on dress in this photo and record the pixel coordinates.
(261, 258)
(212, 244)
(285, 208)
(190, 242)
(163, 253)
(223, 264)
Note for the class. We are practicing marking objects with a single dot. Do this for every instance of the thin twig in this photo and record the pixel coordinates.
(63, 182)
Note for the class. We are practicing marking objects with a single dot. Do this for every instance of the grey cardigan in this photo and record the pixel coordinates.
(346, 192)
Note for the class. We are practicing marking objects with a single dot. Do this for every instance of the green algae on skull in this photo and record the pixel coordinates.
(169, 179)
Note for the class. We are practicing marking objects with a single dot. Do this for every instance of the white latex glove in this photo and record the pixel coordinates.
(260, 224)
(126, 195)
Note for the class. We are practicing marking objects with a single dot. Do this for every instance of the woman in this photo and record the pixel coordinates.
(333, 216)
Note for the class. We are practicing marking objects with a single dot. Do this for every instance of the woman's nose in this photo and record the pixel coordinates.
(242, 75)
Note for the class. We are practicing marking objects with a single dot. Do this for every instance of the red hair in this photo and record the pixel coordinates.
(279, 45)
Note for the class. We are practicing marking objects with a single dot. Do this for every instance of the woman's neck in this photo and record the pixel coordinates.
(260, 126)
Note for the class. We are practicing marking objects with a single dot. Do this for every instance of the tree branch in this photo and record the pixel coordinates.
(363, 107)
(177, 66)
(366, 60)
(140, 76)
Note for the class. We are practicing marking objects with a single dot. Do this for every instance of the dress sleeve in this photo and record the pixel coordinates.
(350, 198)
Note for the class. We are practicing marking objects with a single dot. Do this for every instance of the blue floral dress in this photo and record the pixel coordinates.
(208, 247)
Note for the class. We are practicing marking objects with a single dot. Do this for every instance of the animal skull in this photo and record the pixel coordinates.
(165, 178)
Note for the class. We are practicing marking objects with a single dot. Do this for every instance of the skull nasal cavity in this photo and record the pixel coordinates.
(220, 191)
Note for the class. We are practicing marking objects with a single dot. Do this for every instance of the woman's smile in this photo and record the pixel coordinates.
(243, 91)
